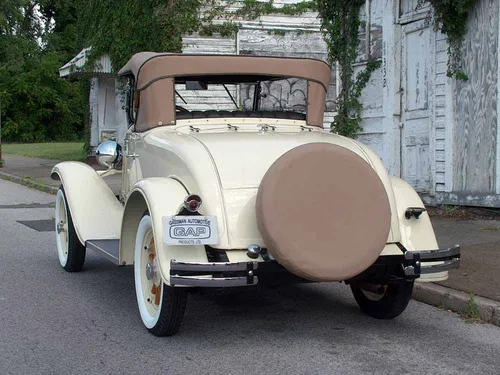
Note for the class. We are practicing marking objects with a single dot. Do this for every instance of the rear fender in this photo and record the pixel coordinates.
(95, 211)
(416, 234)
(160, 197)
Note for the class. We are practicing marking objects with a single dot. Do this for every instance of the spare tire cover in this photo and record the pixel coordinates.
(323, 212)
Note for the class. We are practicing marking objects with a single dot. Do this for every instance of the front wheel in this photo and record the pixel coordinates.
(69, 248)
(161, 306)
(383, 301)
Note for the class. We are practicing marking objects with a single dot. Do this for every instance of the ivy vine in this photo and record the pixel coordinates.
(215, 10)
(340, 25)
(450, 17)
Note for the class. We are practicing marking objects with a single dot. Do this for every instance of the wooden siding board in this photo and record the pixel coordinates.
(440, 135)
(440, 178)
(441, 45)
(440, 122)
(440, 91)
(441, 101)
(441, 67)
(311, 44)
(440, 187)
(476, 103)
(441, 79)
(440, 156)
(442, 57)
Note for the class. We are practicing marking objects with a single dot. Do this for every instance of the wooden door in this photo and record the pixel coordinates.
(415, 116)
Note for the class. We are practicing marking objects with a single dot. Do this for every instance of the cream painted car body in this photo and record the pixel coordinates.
(161, 166)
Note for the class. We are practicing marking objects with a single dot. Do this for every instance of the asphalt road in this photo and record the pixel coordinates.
(54, 322)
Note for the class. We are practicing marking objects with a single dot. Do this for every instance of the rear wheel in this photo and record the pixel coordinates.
(383, 301)
(69, 248)
(161, 306)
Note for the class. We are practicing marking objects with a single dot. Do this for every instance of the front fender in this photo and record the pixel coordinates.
(95, 211)
(160, 197)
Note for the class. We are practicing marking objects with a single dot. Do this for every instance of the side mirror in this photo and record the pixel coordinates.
(109, 154)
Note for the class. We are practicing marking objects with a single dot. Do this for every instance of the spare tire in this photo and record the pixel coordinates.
(323, 212)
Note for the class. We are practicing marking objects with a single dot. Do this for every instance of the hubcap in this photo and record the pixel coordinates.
(372, 296)
(151, 271)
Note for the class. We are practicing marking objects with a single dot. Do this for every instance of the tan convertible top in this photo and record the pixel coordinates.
(155, 75)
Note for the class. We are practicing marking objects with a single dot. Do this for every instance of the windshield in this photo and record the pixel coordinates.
(278, 98)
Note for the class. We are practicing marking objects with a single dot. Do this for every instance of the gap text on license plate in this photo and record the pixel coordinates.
(190, 230)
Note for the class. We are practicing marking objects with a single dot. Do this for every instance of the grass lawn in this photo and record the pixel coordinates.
(57, 151)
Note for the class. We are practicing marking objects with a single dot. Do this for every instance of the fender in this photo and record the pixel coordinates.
(416, 234)
(161, 197)
(95, 211)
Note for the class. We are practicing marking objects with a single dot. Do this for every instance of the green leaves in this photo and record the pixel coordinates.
(340, 25)
(37, 105)
(123, 28)
(450, 16)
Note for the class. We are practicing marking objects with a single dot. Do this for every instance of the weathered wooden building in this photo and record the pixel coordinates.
(439, 134)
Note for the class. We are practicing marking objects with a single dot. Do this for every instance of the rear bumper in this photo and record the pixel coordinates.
(431, 261)
(213, 274)
(387, 269)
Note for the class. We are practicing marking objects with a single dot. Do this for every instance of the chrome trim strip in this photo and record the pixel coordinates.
(433, 254)
(211, 282)
(212, 267)
(445, 266)
(435, 268)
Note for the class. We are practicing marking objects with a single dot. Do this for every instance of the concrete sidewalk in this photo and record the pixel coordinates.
(478, 278)
(479, 271)
(37, 171)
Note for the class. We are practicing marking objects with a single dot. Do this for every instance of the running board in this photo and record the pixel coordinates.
(108, 248)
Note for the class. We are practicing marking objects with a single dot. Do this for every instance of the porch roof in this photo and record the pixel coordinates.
(77, 64)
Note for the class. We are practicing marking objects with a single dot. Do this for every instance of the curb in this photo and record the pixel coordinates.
(456, 301)
(29, 183)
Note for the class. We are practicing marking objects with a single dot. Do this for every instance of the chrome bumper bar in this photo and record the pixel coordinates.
(213, 274)
(415, 261)
(236, 274)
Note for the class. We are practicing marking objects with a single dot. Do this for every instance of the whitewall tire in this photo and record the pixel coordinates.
(70, 251)
(161, 307)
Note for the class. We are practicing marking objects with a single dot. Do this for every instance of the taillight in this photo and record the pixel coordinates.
(192, 203)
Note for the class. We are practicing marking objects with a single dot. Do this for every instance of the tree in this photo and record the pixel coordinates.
(122, 28)
(36, 38)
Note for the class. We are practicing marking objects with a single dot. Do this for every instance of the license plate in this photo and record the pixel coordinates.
(190, 230)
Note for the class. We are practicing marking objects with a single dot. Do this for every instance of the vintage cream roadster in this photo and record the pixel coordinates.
(256, 193)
